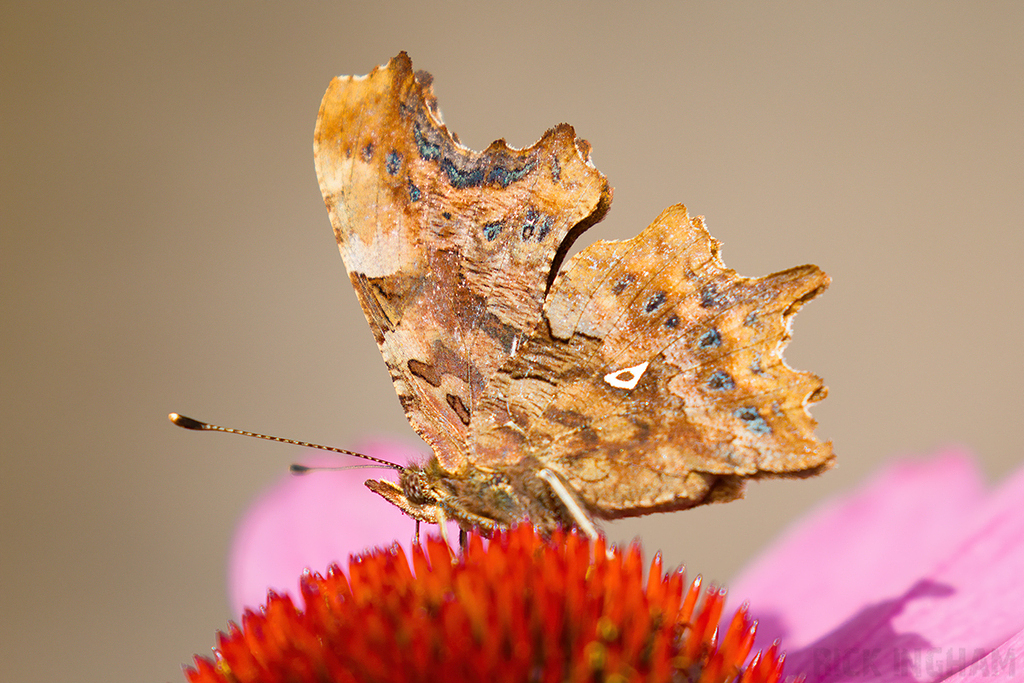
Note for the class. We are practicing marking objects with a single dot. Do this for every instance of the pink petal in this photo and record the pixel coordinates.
(939, 590)
(966, 604)
(868, 545)
(312, 521)
(1005, 663)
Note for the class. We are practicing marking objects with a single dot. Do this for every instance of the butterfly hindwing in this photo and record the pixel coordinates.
(658, 375)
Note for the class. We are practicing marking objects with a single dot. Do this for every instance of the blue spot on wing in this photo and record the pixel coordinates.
(721, 380)
(753, 421)
(537, 225)
(655, 302)
(393, 162)
(492, 230)
(427, 149)
(710, 339)
(505, 176)
(461, 178)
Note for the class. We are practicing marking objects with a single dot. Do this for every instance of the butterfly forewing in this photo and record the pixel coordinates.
(449, 250)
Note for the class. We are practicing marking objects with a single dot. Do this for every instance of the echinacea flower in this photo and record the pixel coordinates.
(916, 576)
(520, 608)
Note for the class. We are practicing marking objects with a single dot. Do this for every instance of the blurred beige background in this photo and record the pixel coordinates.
(165, 247)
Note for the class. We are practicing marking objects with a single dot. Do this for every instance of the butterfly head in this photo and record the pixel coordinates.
(429, 494)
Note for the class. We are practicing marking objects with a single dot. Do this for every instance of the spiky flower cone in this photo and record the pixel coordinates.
(523, 608)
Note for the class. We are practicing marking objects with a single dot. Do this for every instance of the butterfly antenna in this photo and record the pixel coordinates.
(189, 423)
(306, 469)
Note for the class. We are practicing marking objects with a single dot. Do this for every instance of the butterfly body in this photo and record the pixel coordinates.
(484, 499)
(637, 376)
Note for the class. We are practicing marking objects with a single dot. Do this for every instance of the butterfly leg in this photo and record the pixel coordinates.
(442, 522)
(463, 540)
(579, 515)
(416, 537)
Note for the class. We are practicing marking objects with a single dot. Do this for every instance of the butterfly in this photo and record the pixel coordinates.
(638, 376)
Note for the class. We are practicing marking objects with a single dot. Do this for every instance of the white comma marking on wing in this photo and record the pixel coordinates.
(626, 378)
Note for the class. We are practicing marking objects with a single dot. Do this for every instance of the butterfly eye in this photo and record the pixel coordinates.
(415, 487)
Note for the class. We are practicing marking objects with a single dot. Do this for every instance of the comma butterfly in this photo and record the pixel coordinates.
(642, 376)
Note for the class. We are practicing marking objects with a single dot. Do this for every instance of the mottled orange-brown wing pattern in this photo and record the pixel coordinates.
(449, 250)
(644, 374)
(657, 381)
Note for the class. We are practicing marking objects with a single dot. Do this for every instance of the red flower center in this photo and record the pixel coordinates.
(523, 608)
